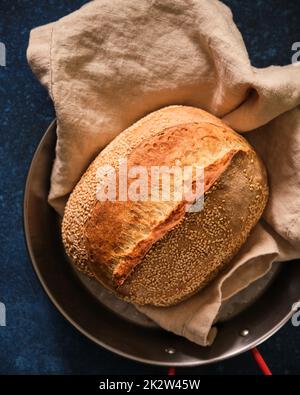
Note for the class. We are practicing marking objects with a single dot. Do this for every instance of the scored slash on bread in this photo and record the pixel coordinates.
(154, 252)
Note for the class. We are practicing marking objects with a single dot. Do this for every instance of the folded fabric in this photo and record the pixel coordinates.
(111, 62)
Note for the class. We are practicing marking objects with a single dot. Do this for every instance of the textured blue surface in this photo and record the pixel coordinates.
(37, 339)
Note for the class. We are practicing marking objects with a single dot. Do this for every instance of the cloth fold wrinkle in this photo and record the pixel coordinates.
(112, 62)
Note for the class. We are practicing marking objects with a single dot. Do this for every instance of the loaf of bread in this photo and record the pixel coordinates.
(158, 252)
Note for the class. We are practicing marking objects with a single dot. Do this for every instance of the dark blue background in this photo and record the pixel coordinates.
(37, 339)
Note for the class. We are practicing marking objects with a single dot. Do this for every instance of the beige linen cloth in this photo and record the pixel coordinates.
(113, 61)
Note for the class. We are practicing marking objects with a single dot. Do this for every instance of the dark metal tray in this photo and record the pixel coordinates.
(117, 330)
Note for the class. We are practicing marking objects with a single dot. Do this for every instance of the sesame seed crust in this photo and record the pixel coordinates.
(195, 251)
(155, 253)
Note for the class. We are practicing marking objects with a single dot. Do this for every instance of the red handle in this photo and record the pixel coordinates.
(261, 362)
(171, 371)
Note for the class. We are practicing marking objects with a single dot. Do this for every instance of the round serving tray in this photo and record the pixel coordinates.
(93, 314)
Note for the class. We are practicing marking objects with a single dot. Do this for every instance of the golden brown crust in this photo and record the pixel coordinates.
(195, 251)
(110, 239)
(119, 233)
